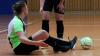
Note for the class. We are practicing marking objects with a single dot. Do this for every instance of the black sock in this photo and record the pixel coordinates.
(45, 25)
(55, 42)
(50, 41)
(60, 29)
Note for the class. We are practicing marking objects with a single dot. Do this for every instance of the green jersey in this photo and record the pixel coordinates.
(16, 25)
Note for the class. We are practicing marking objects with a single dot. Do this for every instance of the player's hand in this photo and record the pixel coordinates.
(61, 7)
(42, 44)
(41, 11)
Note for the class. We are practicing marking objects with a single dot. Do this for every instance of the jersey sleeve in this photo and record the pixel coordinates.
(18, 27)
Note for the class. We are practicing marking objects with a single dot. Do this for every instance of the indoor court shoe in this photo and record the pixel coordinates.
(61, 49)
(64, 46)
(73, 42)
(61, 45)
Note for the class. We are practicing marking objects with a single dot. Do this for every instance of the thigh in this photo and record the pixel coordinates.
(56, 8)
(40, 35)
(48, 5)
(25, 49)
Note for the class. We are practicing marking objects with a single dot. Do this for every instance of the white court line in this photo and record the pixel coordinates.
(93, 39)
(80, 25)
(3, 30)
(7, 29)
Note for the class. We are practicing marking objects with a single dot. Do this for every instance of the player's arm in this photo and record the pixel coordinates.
(41, 5)
(25, 40)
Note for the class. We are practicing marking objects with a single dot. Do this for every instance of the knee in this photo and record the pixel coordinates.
(45, 15)
(59, 17)
(45, 33)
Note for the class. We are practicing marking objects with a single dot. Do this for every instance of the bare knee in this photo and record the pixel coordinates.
(59, 17)
(44, 33)
(45, 15)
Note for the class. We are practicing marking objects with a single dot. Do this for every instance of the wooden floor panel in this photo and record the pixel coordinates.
(74, 26)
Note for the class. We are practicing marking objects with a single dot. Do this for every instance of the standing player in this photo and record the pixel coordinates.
(46, 6)
(22, 44)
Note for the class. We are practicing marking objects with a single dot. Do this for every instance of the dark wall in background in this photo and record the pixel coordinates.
(5, 6)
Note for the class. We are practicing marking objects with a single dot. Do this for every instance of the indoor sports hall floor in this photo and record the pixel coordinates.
(74, 26)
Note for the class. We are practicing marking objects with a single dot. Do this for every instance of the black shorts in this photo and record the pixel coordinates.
(24, 49)
(49, 5)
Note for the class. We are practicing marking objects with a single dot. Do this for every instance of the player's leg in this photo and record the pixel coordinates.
(47, 8)
(59, 44)
(45, 20)
(24, 49)
(60, 25)
(59, 14)
(40, 35)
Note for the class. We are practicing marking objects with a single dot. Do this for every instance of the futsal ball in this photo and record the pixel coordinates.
(86, 42)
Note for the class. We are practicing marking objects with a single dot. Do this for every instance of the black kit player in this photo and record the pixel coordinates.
(46, 6)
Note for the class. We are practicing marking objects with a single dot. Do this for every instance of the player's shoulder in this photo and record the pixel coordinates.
(16, 20)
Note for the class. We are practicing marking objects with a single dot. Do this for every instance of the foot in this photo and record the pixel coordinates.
(64, 46)
(61, 45)
(73, 42)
